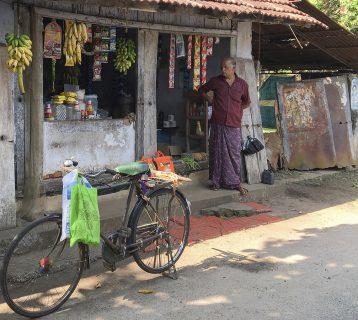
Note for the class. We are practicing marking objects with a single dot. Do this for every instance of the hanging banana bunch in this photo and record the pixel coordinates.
(125, 55)
(75, 37)
(20, 55)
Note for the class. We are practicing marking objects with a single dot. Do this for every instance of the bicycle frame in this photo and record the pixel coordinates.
(123, 249)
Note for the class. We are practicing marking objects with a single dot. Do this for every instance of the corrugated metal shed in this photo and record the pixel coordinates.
(334, 48)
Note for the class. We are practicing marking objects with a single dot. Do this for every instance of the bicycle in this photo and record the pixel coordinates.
(40, 272)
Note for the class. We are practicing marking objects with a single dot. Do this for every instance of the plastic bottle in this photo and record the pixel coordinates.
(199, 132)
(89, 108)
(77, 111)
(48, 113)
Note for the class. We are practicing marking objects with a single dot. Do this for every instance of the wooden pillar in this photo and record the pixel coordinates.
(34, 122)
(146, 125)
(7, 170)
(241, 48)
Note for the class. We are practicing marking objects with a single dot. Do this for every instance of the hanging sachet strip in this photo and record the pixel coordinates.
(189, 54)
(209, 50)
(172, 61)
(196, 80)
(203, 59)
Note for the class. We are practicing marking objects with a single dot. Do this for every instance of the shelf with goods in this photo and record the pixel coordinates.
(197, 128)
(88, 71)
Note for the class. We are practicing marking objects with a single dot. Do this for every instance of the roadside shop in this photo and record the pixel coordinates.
(81, 103)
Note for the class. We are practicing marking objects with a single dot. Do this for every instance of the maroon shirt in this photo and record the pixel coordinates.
(229, 101)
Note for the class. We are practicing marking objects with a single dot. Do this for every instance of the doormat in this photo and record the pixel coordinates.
(236, 209)
(209, 227)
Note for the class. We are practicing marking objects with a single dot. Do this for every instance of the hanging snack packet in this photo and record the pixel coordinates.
(190, 50)
(203, 59)
(196, 80)
(180, 46)
(209, 49)
(172, 61)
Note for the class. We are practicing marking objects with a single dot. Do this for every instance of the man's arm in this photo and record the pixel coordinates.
(204, 89)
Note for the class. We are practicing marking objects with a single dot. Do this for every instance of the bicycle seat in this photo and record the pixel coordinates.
(133, 168)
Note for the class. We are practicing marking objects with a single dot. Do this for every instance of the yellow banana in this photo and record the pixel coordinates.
(85, 35)
(78, 49)
(28, 43)
(26, 61)
(14, 63)
(75, 31)
(73, 42)
(9, 63)
(69, 32)
(69, 49)
(11, 52)
(27, 51)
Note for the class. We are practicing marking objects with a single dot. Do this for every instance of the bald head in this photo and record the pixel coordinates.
(232, 61)
(228, 66)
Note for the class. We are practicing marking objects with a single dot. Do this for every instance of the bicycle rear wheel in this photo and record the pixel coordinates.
(171, 218)
(39, 271)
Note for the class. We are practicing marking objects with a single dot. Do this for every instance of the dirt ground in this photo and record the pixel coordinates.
(300, 268)
(314, 194)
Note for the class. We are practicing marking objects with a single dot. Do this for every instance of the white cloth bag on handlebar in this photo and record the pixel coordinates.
(69, 180)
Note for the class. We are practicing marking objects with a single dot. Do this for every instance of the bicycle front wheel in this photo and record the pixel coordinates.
(167, 214)
(39, 271)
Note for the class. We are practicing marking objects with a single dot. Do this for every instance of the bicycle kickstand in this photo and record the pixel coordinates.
(172, 271)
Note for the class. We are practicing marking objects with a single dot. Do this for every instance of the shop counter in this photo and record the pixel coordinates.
(96, 144)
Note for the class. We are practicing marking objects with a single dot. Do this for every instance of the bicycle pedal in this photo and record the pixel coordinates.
(109, 266)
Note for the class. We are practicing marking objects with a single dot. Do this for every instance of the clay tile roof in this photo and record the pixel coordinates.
(282, 10)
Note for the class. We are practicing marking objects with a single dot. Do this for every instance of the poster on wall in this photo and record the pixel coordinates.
(53, 41)
(354, 94)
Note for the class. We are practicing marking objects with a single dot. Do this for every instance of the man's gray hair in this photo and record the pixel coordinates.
(231, 60)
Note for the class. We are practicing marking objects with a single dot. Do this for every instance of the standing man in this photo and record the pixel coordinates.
(231, 97)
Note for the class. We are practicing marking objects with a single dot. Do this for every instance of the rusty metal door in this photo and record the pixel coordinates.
(306, 126)
(337, 94)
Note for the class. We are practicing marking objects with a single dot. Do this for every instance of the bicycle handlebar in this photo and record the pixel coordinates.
(72, 163)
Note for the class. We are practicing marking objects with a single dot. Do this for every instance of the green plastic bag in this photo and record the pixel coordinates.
(84, 214)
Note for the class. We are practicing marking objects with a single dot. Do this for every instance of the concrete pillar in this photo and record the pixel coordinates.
(241, 50)
(146, 125)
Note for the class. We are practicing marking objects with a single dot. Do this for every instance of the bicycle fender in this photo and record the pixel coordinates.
(140, 201)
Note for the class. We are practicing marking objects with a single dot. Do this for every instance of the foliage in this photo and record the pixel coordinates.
(344, 12)
(190, 163)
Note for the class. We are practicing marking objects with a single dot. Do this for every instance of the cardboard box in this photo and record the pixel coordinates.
(171, 150)
(175, 151)
(163, 147)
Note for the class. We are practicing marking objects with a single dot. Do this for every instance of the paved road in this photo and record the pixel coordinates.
(301, 268)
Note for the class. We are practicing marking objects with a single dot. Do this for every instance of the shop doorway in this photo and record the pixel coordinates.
(175, 123)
